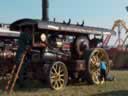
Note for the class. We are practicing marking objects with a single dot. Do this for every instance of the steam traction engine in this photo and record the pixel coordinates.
(70, 54)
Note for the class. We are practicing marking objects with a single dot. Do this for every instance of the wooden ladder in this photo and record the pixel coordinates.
(14, 75)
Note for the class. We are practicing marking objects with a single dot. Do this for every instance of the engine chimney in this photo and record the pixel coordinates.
(45, 10)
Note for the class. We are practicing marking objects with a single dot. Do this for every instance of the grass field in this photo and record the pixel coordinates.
(119, 87)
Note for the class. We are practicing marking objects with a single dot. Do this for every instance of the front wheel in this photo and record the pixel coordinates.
(57, 75)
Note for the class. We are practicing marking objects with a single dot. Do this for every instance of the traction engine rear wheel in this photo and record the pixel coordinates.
(94, 74)
(57, 75)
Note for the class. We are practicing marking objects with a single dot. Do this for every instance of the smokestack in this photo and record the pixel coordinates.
(127, 8)
(45, 10)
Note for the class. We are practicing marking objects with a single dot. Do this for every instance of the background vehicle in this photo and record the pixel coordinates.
(8, 47)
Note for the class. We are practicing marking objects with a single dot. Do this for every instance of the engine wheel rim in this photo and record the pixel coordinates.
(58, 76)
(94, 65)
(95, 77)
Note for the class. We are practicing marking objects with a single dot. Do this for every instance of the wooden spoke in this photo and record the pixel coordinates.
(57, 84)
(54, 69)
(61, 83)
(55, 66)
(61, 75)
(95, 78)
(59, 70)
(93, 60)
(62, 80)
(53, 77)
(52, 82)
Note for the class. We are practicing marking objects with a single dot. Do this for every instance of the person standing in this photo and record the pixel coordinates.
(24, 44)
(103, 69)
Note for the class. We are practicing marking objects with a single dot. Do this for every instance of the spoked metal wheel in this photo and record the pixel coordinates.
(94, 72)
(58, 76)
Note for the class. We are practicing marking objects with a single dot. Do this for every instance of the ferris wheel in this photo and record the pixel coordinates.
(120, 27)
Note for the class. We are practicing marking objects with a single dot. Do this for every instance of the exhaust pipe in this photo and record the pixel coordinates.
(45, 10)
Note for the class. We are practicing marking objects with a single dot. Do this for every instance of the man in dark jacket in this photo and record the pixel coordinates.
(24, 44)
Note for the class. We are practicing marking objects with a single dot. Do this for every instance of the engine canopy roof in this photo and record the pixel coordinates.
(59, 27)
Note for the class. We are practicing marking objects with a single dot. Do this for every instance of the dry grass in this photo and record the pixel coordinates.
(119, 87)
